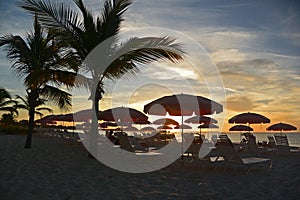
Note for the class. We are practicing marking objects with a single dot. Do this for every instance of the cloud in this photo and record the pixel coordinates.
(240, 104)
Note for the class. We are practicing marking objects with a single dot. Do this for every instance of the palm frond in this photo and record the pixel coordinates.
(141, 51)
(17, 52)
(24, 101)
(61, 19)
(4, 95)
(52, 14)
(59, 97)
(44, 109)
(9, 109)
(112, 17)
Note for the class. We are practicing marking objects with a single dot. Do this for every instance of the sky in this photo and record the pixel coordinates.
(253, 47)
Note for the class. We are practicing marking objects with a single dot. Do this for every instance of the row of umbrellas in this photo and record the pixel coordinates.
(174, 105)
(254, 118)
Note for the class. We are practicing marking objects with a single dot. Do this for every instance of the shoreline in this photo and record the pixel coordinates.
(54, 170)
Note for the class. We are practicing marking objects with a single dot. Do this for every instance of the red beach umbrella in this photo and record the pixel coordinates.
(249, 118)
(148, 128)
(164, 127)
(123, 114)
(281, 127)
(183, 126)
(199, 119)
(208, 126)
(130, 128)
(165, 121)
(241, 128)
(182, 105)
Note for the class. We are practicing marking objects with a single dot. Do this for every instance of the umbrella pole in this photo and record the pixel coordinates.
(182, 140)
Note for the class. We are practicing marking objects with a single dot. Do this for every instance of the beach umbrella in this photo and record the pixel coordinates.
(200, 119)
(281, 127)
(107, 124)
(182, 105)
(164, 127)
(208, 126)
(183, 126)
(241, 128)
(148, 128)
(130, 128)
(142, 122)
(123, 114)
(165, 121)
(249, 118)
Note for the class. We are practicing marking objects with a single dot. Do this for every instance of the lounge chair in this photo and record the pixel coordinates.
(249, 144)
(131, 144)
(193, 151)
(225, 155)
(282, 144)
(271, 142)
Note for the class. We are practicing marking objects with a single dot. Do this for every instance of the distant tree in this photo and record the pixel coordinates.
(6, 102)
(7, 119)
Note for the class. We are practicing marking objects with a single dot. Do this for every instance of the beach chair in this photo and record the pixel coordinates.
(249, 143)
(193, 150)
(271, 142)
(282, 144)
(227, 156)
(126, 144)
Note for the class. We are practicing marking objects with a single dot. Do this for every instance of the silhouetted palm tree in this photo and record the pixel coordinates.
(6, 102)
(83, 32)
(38, 109)
(43, 64)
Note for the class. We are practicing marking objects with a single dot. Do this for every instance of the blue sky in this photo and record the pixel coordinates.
(254, 44)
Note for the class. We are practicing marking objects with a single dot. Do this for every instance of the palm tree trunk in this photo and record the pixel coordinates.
(31, 98)
(30, 129)
(94, 130)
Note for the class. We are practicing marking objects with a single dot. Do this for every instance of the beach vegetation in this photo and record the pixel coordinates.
(82, 32)
(44, 66)
(7, 104)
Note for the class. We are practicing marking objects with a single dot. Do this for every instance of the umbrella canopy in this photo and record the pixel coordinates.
(182, 105)
(281, 127)
(165, 121)
(148, 128)
(107, 124)
(183, 126)
(142, 122)
(164, 127)
(249, 118)
(130, 128)
(199, 119)
(241, 128)
(123, 114)
(208, 126)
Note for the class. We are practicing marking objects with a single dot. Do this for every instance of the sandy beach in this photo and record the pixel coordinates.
(54, 170)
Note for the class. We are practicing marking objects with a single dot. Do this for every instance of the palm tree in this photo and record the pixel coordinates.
(6, 102)
(83, 32)
(44, 65)
(38, 110)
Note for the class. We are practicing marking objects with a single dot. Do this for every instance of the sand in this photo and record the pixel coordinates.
(54, 170)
